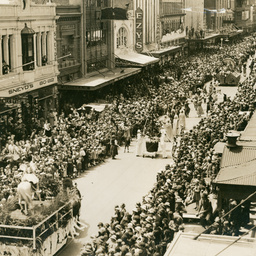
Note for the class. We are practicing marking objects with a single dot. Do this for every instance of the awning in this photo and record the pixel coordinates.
(184, 244)
(101, 79)
(249, 132)
(99, 107)
(205, 39)
(139, 60)
(243, 174)
(166, 51)
(219, 147)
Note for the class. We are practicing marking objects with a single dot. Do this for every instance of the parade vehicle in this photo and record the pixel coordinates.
(40, 227)
(44, 238)
(228, 76)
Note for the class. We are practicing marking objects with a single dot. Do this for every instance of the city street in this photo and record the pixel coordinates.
(124, 180)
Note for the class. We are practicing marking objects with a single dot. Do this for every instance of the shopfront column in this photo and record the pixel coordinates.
(50, 47)
(1, 65)
(44, 44)
(35, 52)
(13, 52)
(6, 49)
(39, 49)
(19, 53)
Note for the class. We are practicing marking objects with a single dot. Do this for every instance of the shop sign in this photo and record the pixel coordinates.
(55, 45)
(28, 87)
(157, 29)
(67, 27)
(139, 30)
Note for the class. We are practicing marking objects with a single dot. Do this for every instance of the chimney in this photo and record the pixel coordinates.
(232, 138)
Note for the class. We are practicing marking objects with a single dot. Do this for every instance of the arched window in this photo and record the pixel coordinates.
(121, 39)
(27, 48)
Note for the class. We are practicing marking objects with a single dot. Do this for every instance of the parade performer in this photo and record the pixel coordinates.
(175, 125)
(163, 143)
(139, 145)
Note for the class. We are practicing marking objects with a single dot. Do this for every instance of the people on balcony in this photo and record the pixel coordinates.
(5, 68)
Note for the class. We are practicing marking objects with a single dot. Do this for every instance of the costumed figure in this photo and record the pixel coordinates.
(182, 121)
(175, 125)
(163, 143)
(139, 145)
(26, 190)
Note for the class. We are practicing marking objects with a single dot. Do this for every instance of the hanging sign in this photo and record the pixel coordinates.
(139, 30)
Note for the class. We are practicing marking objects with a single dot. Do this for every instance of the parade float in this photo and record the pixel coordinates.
(228, 76)
(152, 134)
(43, 230)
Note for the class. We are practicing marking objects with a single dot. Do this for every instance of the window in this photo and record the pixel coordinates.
(27, 42)
(121, 39)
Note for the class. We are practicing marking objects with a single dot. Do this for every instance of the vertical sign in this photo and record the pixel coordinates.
(55, 44)
(139, 30)
(158, 39)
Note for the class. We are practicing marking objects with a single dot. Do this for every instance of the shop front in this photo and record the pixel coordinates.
(21, 107)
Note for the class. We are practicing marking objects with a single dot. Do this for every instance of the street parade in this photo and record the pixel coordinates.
(127, 128)
(44, 162)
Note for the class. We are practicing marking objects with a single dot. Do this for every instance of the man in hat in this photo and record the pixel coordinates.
(205, 210)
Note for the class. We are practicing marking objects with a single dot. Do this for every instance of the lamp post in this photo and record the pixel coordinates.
(221, 42)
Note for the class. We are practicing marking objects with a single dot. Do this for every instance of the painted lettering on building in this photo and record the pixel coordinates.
(20, 89)
(139, 30)
(29, 87)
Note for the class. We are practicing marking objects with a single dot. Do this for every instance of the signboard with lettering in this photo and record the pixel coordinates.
(139, 30)
(27, 87)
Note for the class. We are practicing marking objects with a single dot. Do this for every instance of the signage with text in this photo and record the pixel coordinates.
(28, 87)
(139, 30)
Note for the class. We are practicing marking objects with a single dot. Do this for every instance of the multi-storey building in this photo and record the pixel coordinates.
(245, 14)
(134, 34)
(194, 17)
(158, 27)
(28, 59)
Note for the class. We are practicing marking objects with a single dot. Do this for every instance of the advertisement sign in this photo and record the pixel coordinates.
(139, 30)
(28, 87)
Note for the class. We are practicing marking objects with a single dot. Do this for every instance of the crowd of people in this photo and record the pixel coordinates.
(151, 226)
(77, 140)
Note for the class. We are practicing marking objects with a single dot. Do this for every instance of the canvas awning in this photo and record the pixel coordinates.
(99, 80)
(184, 244)
(139, 60)
(99, 107)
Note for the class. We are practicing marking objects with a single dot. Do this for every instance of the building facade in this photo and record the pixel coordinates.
(28, 60)
(194, 17)
(244, 12)
(68, 37)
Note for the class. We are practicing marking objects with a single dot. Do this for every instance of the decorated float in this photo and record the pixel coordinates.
(228, 76)
(43, 228)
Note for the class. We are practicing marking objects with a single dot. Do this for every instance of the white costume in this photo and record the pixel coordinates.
(139, 145)
(182, 120)
(175, 125)
(163, 143)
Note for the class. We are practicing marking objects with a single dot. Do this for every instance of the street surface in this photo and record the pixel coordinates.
(123, 180)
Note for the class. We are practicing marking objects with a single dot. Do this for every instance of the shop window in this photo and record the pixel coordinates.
(27, 48)
(121, 39)
(5, 55)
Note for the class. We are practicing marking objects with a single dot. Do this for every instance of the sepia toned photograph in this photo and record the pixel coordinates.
(127, 128)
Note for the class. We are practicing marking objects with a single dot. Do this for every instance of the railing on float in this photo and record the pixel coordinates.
(34, 228)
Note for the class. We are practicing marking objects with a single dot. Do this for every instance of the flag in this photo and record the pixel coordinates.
(114, 14)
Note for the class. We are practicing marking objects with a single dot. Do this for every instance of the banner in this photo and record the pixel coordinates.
(114, 14)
